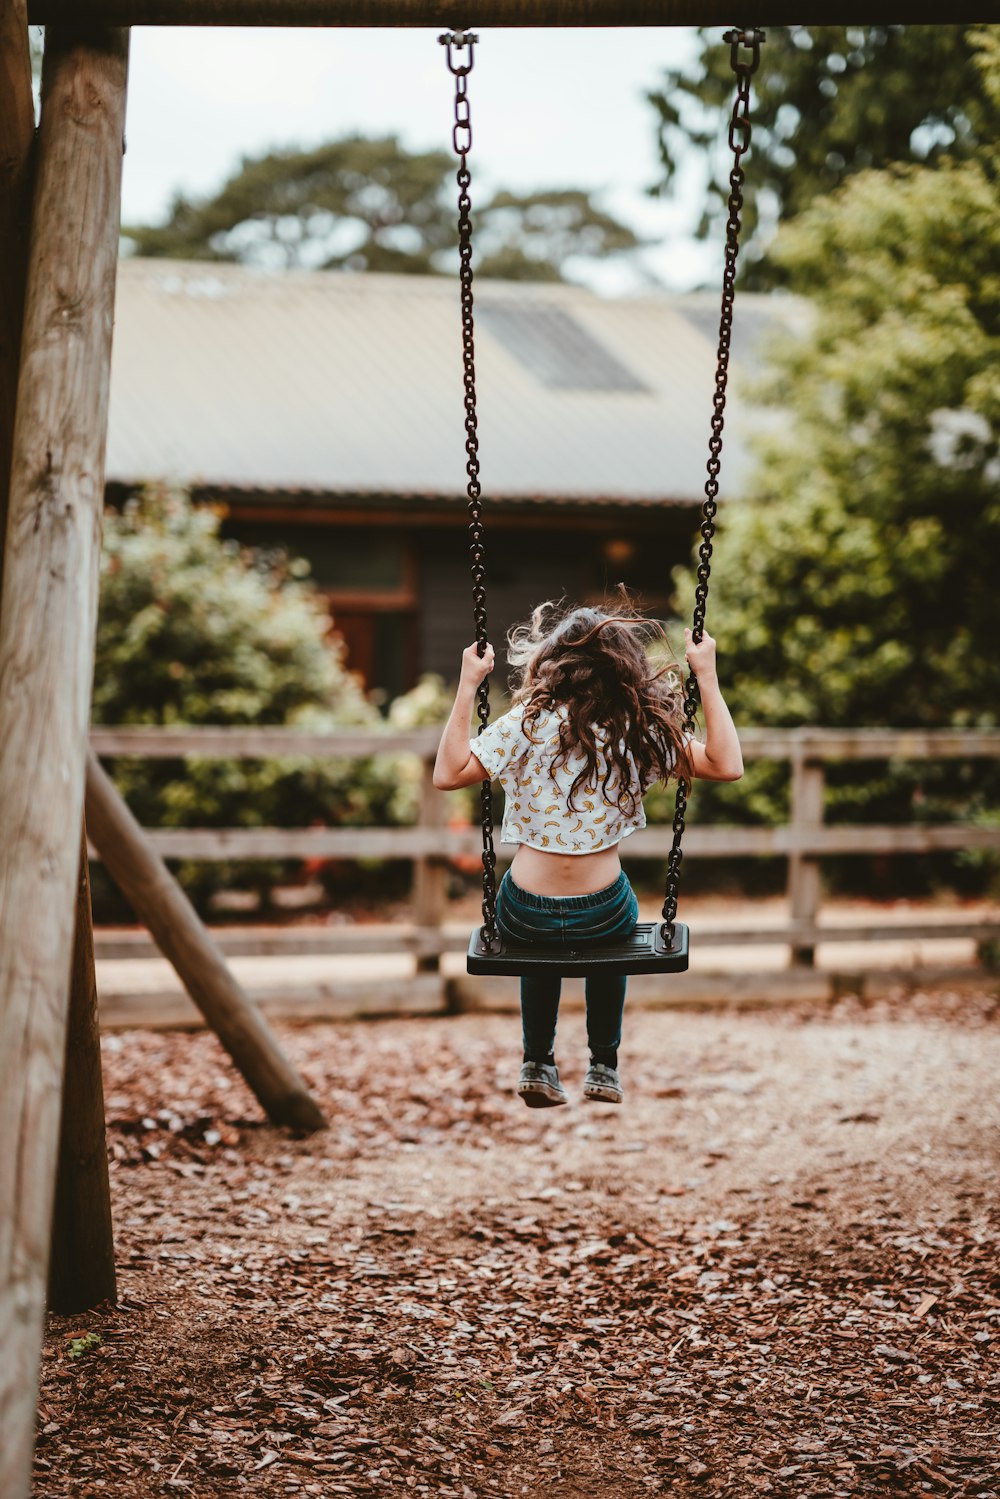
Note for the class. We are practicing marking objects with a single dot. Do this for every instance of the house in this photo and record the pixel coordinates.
(324, 412)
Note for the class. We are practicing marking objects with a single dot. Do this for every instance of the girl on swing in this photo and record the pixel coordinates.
(594, 724)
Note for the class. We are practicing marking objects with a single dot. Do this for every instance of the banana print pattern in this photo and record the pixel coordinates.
(537, 791)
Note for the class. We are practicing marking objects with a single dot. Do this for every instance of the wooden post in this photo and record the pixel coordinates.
(429, 874)
(47, 624)
(17, 133)
(161, 904)
(804, 877)
(82, 1258)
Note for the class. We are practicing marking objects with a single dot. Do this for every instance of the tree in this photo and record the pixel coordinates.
(194, 630)
(536, 236)
(370, 205)
(865, 589)
(857, 584)
(827, 102)
(355, 203)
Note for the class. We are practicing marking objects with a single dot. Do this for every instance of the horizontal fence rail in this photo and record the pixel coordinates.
(301, 942)
(219, 844)
(430, 843)
(218, 743)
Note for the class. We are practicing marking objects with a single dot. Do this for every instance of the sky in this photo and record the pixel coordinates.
(549, 108)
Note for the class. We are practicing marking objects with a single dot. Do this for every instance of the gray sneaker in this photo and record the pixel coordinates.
(602, 1084)
(539, 1085)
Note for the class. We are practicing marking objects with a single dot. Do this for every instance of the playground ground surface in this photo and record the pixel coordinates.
(774, 1270)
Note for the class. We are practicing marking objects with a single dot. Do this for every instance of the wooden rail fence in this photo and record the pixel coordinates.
(430, 843)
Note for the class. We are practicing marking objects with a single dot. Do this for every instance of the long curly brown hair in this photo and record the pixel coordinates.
(595, 664)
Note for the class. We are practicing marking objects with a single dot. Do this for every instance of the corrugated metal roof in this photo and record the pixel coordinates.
(351, 384)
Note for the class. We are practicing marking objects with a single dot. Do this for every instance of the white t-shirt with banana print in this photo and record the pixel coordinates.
(537, 810)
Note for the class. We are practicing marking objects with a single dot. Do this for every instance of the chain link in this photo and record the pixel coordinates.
(456, 42)
(739, 144)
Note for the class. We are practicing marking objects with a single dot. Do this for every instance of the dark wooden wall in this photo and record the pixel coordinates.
(400, 581)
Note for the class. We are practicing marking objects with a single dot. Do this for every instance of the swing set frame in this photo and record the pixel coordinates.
(59, 225)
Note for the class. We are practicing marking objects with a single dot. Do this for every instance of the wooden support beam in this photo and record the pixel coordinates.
(161, 904)
(47, 625)
(82, 1259)
(456, 13)
(17, 134)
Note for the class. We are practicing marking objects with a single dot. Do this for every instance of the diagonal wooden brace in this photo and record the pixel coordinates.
(161, 904)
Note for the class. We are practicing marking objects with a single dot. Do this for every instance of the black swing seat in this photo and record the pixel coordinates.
(642, 951)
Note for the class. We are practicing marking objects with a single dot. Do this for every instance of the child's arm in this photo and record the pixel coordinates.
(455, 765)
(720, 757)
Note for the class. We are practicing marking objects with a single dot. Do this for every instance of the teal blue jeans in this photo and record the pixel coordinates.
(570, 921)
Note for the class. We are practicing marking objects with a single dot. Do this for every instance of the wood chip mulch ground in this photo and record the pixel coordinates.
(775, 1270)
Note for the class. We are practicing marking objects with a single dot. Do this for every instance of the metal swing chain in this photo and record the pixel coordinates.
(739, 144)
(461, 138)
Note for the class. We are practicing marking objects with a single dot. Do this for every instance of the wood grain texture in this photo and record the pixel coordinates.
(489, 12)
(649, 843)
(430, 876)
(17, 133)
(423, 994)
(246, 742)
(47, 624)
(805, 884)
(160, 903)
(218, 742)
(82, 1258)
(431, 994)
(336, 942)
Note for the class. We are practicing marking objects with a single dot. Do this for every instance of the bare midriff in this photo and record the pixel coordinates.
(564, 874)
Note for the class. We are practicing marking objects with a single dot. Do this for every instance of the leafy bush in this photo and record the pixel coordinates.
(196, 630)
(856, 584)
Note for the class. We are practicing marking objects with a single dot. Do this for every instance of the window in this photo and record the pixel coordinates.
(556, 349)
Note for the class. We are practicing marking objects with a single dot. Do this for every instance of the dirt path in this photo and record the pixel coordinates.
(773, 1271)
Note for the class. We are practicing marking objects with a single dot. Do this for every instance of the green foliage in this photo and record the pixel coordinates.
(354, 203)
(192, 630)
(426, 704)
(78, 1347)
(370, 205)
(532, 236)
(857, 584)
(429, 704)
(827, 102)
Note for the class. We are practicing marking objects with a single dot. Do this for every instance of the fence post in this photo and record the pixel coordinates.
(429, 874)
(804, 877)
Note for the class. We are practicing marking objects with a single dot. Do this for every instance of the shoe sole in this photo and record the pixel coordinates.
(541, 1095)
(597, 1094)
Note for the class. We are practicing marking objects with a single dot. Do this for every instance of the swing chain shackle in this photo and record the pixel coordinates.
(739, 123)
(738, 39)
(739, 126)
(455, 41)
(461, 133)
